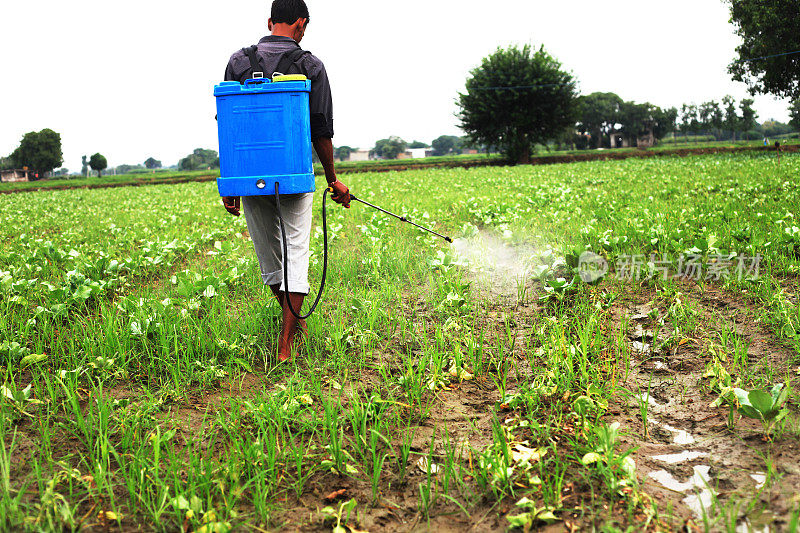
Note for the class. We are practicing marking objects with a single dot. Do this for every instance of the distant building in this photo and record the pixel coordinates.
(16, 175)
(359, 155)
(415, 153)
(647, 140)
(618, 140)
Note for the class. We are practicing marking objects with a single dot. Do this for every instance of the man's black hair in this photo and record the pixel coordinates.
(288, 11)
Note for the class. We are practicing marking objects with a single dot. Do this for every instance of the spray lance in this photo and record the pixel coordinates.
(402, 219)
(296, 313)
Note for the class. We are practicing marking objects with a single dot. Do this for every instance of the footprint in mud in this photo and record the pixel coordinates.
(700, 482)
(682, 457)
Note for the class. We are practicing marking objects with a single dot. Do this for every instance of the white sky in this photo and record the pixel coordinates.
(134, 78)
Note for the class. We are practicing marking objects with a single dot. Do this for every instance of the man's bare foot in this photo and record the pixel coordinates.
(285, 349)
(302, 328)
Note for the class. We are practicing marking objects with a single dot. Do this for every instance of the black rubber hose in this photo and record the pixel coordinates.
(286, 255)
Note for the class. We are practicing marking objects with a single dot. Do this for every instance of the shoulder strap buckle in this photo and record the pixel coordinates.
(250, 51)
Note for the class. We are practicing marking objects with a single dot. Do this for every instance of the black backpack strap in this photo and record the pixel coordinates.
(290, 58)
(250, 52)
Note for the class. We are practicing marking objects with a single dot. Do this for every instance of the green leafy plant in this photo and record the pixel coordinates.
(559, 288)
(765, 406)
(342, 514)
(618, 470)
(532, 515)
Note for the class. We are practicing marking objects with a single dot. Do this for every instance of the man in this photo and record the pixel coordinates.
(288, 22)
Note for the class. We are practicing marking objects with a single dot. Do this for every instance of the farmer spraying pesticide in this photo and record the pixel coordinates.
(274, 105)
(280, 53)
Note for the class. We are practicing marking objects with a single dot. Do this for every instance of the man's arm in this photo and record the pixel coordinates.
(324, 148)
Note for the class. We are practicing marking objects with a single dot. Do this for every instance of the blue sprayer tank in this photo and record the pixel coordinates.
(264, 136)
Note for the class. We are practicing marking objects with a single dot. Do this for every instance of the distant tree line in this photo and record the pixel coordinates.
(602, 116)
(391, 147)
(200, 159)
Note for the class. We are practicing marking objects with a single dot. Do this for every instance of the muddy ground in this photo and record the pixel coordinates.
(688, 459)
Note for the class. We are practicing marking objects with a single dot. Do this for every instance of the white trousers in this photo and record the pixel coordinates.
(265, 231)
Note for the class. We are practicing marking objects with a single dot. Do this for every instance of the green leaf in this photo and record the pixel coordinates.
(546, 515)
(742, 396)
(749, 412)
(179, 502)
(349, 505)
(591, 457)
(760, 400)
(520, 520)
(83, 292)
(725, 395)
(215, 527)
(31, 359)
(593, 389)
(526, 503)
(779, 395)
(583, 405)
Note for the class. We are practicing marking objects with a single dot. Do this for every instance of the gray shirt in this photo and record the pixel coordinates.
(270, 51)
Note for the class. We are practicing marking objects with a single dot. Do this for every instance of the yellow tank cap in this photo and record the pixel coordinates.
(290, 77)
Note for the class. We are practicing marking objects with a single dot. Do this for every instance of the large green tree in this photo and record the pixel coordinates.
(633, 119)
(637, 120)
(689, 119)
(598, 114)
(516, 98)
(98, 163)
(152, 163)
(390, 148)
(446, 144)
(794, 113)
(771, 128)
(342, 153)
(666, 121)
(40, 151)
(748, 120)
(705, 112)
(717, 118)
(768, 61)
(199, 159)
(732, 122)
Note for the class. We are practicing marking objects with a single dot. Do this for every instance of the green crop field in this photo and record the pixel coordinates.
(509, 381)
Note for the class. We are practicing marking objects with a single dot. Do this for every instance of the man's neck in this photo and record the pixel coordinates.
(282, 30)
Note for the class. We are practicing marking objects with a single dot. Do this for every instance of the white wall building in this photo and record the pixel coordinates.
(359, 155)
